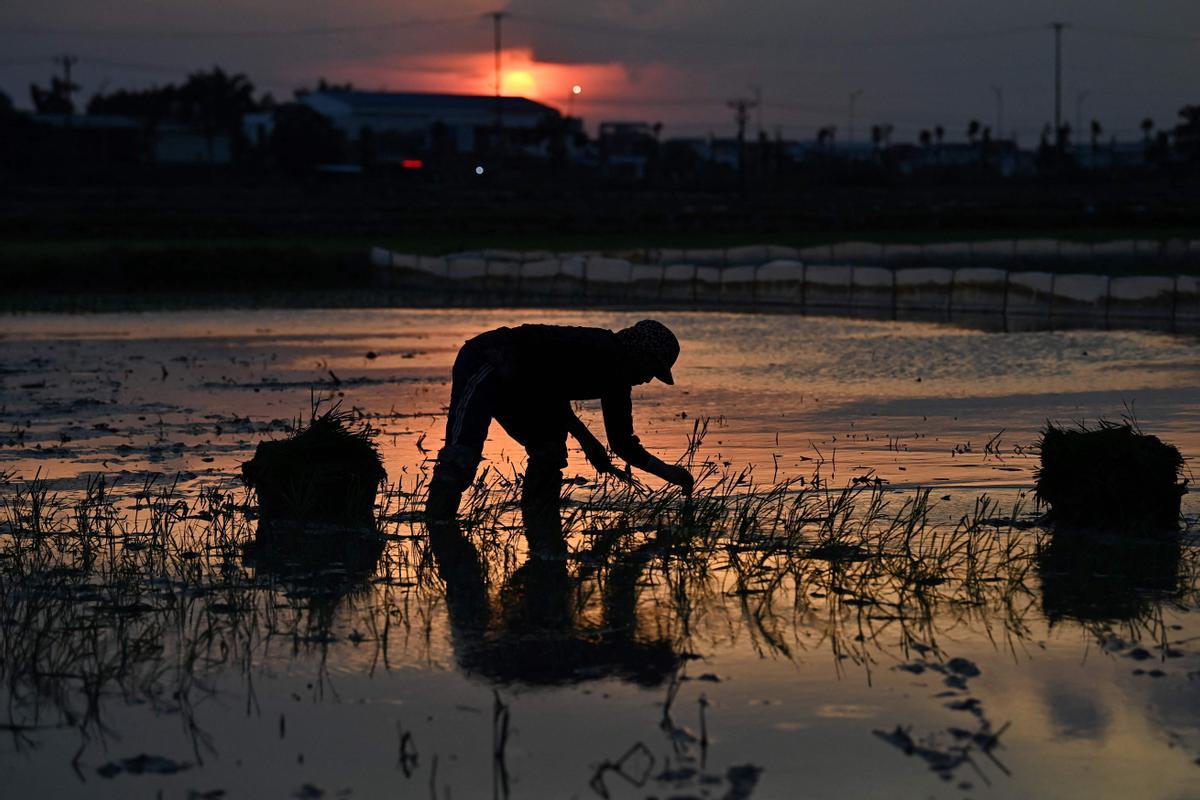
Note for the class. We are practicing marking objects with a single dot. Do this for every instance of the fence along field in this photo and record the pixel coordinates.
(1011, 285)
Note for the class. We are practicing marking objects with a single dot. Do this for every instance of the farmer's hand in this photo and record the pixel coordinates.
(597, 456)
(680, 477)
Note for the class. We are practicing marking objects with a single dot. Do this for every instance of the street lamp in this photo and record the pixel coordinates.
(575, 89)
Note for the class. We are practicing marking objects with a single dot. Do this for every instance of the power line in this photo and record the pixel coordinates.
(1179, 38)
(26, 62)
(921, 39)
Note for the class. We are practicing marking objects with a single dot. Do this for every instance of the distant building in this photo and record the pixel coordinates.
(111, 137)
(626, 148)
(710, 149)
(420, 121)
(175, 143)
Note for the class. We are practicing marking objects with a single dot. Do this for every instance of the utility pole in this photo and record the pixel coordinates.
(853, 100)
(999, 111)
(741, 114)
(66, 62)
(1058, 29)
(759, 106)
(497, 16)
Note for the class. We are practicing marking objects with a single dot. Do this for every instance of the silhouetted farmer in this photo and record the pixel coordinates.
(526, 378)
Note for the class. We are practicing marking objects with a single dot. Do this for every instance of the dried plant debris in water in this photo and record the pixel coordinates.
(1110, 476)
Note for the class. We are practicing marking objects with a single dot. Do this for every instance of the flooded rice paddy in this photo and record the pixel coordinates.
(858, 603)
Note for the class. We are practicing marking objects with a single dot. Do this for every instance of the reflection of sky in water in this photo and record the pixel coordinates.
(786, 685)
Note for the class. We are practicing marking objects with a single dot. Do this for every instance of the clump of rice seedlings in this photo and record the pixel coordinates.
(327, 471)
(1111, 476)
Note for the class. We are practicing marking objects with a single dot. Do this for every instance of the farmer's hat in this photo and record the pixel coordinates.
(654, 342)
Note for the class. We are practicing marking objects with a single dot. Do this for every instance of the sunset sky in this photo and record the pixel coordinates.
(916, 64)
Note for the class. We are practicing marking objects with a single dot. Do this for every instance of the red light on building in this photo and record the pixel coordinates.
(412, 163)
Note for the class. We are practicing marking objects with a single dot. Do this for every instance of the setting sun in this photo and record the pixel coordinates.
(518, 82)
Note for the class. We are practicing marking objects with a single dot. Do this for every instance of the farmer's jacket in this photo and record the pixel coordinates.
(548, 363)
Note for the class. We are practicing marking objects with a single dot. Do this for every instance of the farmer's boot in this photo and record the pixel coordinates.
(453, 473)
(539, 508)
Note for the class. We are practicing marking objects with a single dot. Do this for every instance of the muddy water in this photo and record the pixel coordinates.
(724, 691)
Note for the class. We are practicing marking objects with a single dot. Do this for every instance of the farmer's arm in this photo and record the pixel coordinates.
(593, 449)
(618, 425)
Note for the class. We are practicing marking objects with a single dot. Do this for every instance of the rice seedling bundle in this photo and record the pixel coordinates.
(326, 472)
(1111, 476)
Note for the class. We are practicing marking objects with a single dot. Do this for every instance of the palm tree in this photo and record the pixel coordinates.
(215, 102)
(1096, 131)
(56, 99)
(925, 137)
(1147, 126)
(972, 130)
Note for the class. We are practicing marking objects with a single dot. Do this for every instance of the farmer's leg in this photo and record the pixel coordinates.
(542, 430)
(472, 402)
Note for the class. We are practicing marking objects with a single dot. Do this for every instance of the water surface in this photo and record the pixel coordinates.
(632, 668)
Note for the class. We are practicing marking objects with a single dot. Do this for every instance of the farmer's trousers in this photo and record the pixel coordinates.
(481, 392)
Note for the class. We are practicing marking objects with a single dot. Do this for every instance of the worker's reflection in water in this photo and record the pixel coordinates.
(536, 635)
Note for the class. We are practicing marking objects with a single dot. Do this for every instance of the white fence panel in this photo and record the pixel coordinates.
(828, 286)
(1137, 287)
(946, 254)
(900, 255)
(461, 269)
(1084, 289)
(433, 265)
(1186, 309)
(1144, 300)
(404, 261)
(781, 282)
(738, 285)
(872, 291)
(608, 270)
(707, 287)
(504, 269)
(1122, 249)
(679, 282)
(646, 281)
(752, 255)
(1075, 252)
(994, 251)
(540, 270)
(573, 267)
(500, 255)
(857, 253)
(705, 258)
(978, 290)
(778, 253)
(817, 254)
(924, 292)
(666, 256)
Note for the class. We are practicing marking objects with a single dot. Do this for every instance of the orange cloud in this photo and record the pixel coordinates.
(473, 73)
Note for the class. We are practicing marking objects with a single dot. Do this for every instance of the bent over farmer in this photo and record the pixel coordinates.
(525, 378)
